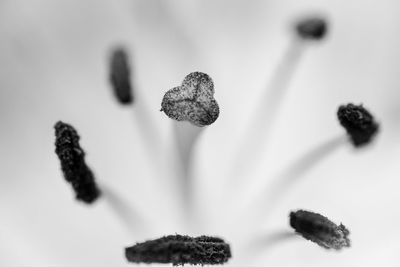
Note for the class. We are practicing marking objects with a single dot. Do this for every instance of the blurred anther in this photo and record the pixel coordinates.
(193, 101)
(180, 250)
(358, 122)
(120, 76)
(312, 28)
(319, 229)
(73, 166)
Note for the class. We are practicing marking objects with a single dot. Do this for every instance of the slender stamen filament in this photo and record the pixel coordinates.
(261, 122)
(129, 217)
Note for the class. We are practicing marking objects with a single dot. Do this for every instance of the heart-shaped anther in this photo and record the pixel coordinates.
(193, 101)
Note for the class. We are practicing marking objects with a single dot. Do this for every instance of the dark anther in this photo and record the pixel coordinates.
(73, 165)
(180, 250)
(120, 75)
(313, 28)
(193, 101)
(319, 229)
(358, 122)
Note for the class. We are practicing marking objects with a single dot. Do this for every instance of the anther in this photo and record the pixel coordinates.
(319, 229)
(180, 250)
(73, 166)
(312, 28)
(120, 75)
(193, 101)
(359, 123)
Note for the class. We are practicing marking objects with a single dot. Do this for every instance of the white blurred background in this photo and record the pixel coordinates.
(53, 66)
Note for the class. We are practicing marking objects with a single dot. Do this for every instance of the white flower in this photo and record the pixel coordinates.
(54, 67)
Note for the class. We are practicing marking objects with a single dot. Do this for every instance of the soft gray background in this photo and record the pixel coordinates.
(53, 65)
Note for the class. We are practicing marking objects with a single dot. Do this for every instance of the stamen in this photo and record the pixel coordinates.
(74, 168)
(180, 250)
(359, 124)
(268, 195)
(319, 229)
(266, 110)
(361, 127)
(193, 106)
(120, 76)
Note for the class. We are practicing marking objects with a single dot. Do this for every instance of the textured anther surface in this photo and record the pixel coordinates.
(313, 28)
(193, 101)
(358, 122)
(319, 229)
(120, 76)
(179, 250)
(73, 165)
